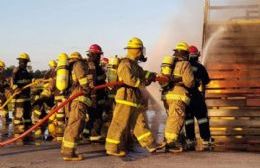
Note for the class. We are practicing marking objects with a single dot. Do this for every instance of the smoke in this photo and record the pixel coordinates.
(185, 24)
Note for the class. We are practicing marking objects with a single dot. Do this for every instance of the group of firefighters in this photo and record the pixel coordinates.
(113, 114)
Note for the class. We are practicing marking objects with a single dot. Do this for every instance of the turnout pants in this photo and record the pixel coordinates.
(198, 109)
(74, 127)
(22, 116)
(125, 117)
(176, 111)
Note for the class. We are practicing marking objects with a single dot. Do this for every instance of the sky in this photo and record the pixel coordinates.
(45, 28)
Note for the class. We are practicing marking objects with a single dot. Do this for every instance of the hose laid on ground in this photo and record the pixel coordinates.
(16, 92)
(57, 108)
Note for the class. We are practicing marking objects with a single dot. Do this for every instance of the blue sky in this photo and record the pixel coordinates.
(45, 28)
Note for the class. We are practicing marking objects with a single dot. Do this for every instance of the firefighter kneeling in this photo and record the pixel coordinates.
(127, 112)
(78, 71)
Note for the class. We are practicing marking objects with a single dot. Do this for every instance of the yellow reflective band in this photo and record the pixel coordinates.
(46, 93)
(68, 144)
(83, 81)
(171, 96)
(147, 74)
(194, 69)
(101, 77)
(112, 141)
(137, 83)
(59, 138)
(128, 103)
(16, 122)
(102, 101)
(37, 112)
(38, 132)
(144, 136)
(84, 100)
(21, 100)
(14, 87)
(27, 121)
(58, 115)
(3, 112)
(203, 121)
(188, 122)
(171, 136)
(24, 81)
(86, 131)
(112, 69)
(74, 78)
(177, 74)
(59, 97)
(21, 128)
(111, 96)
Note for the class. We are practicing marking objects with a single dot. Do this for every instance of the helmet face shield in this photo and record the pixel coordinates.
(142, 56)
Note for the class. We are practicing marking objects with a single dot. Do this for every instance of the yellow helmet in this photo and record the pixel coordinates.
(182, 46)
(24, 56)
(75, 55)
(52, 63)
(134, 43)
(2, 64)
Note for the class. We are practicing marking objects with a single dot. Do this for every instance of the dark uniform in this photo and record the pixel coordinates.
(96, 112)
(4, 85)
(22, 102)
(197, 107)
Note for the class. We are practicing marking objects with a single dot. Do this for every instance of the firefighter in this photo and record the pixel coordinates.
(80, 81)
(127, 114)
(22, 101)
(111, 74)
(60, 90)
(4, 86)
(197, 107)
(43, 103)
(175, 94)
(96, 112)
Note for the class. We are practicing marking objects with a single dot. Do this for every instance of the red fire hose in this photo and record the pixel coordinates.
(57, 108)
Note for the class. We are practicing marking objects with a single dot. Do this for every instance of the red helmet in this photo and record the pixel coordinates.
(104, 60)
(193, 50)
(95, 48)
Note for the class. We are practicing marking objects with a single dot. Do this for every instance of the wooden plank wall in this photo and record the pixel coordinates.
(233, 96)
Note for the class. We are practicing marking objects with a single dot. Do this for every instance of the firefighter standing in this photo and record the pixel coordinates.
(111, 74)
(22, 101)
(80, 81)
(96, 112)
(197, 107)
(44, 102)
(4, 85)
(175, 94)
(127, 112)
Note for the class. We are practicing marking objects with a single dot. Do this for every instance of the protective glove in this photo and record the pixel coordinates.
(151, 78)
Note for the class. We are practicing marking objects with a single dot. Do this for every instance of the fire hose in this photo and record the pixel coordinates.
(57, 108)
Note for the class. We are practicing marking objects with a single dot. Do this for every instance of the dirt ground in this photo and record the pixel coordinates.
(47, 156)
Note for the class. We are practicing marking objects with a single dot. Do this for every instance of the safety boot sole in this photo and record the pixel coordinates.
(119, 154)
(76, 158)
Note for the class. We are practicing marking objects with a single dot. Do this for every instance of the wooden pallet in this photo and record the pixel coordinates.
(233, 95)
